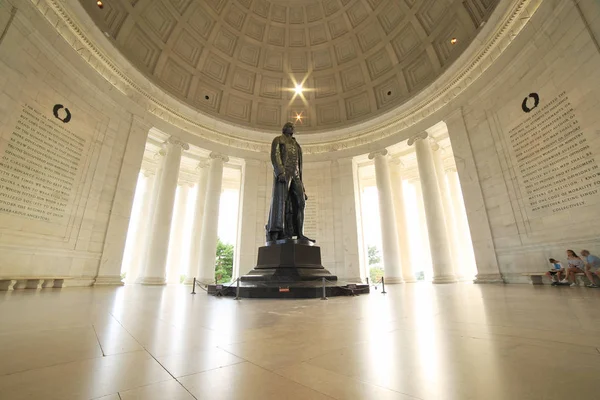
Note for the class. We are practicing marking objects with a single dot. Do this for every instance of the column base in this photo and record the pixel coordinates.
(488, 278)
(108, 280)
(444, 279)
(393, 280)
(7, 285)
(462, 278)
(189, 281)
(410, 279)
(153, 281)
(35, 283)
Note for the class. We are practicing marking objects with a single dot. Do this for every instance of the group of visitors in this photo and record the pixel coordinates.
(587, 264)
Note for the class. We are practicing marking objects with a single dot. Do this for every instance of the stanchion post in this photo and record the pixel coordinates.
(194, 287)
(383, 285)
(237, 289)
(367, 281)
(324, 295)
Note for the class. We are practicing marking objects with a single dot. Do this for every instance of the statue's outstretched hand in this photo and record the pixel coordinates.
(281, 177)
(305, 196)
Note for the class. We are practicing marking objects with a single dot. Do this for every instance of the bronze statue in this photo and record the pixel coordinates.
(286, 216)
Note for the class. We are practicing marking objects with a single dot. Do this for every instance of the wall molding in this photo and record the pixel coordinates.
(546, 246)
(50, 252)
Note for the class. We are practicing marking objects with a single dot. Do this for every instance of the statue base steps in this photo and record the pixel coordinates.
(289, 269)
(288, 290)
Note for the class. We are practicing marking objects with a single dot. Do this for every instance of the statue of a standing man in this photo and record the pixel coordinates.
(286, 217)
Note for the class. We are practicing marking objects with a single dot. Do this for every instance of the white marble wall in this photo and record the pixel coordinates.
(251, 216)
(317, 181)
(556, 53)
(38, 69)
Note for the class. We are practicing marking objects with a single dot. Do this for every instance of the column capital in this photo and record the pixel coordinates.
(395, 160)
(147, 172)
(174, 140)
(151, 164)
(378, 153)
(202, 163)
(435, 146)
(218, 156)
(420, 136)
(185, 181)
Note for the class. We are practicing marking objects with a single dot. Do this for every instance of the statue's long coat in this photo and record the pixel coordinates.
(280, 189)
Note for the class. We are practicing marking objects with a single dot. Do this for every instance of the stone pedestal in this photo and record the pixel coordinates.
(288, 269)
(288, 261)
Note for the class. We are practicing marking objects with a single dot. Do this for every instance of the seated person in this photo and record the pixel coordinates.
(590, 262)
(576, 265)
(555, 273)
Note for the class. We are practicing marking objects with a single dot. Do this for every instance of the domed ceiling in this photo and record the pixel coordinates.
(240, 60)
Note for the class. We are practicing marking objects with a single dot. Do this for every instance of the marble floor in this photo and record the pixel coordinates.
(418, 341)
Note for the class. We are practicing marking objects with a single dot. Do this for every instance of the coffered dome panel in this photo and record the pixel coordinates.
(239, 60)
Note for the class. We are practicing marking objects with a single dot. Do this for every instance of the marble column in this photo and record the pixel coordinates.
(178, 238)
(109, 270)
(246, 244)
(210, 221)
(389, 233)
(358, 205)
(193, 270)
(156, 265)
(401, 226)
(449, 219)
(345, 197)
(139, 232)
(424, 259)
(488, 270)
(462, 225)
(434, 211)
(147, 234)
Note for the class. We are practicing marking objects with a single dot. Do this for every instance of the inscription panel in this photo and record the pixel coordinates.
(311, 215)
(39, 168)
(552, 158)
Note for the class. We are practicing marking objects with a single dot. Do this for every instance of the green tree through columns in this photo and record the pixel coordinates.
(224, 262)
(375, 270)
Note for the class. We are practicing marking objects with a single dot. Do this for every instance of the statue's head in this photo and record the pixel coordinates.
(288, 129)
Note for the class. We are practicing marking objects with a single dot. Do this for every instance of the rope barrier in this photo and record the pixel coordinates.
(219, 292)
(382, 281)
(339, 284)
(197, 283)
(352, 292)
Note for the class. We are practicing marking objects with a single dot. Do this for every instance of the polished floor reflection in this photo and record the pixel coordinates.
(418, 341)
